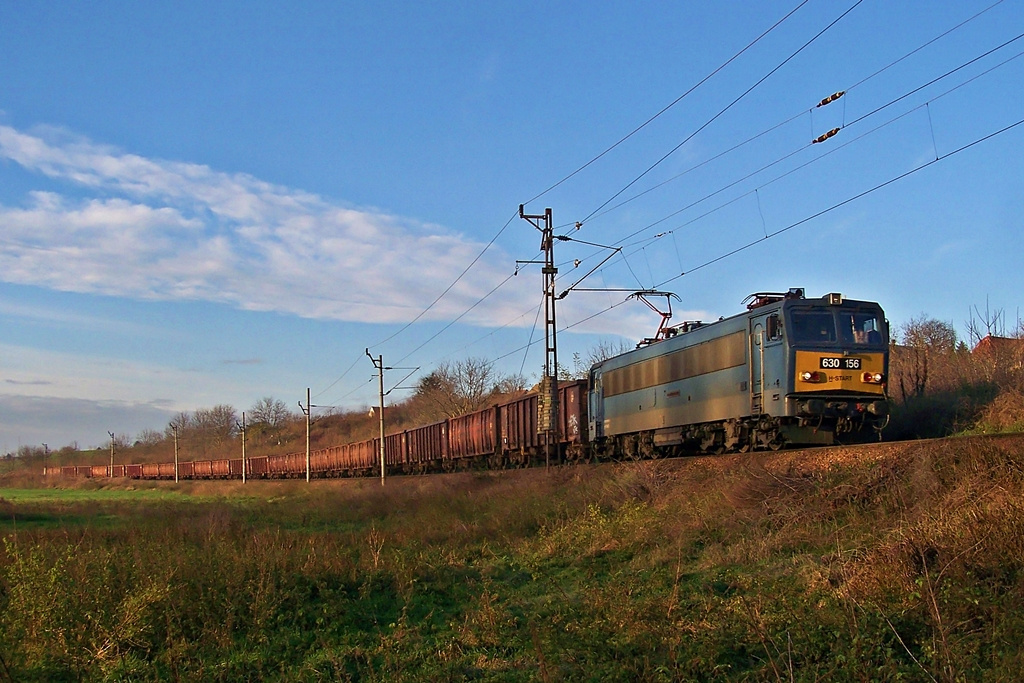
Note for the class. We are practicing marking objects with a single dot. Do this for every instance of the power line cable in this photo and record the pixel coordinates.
(924, 105)
(937, 79)
(793, 118)
(454, 282)
(834, 149)
(533, 330)
(433, 303)
(913, 52)
(671, 104)
(845, 201)
(457, 319)
(720, 113)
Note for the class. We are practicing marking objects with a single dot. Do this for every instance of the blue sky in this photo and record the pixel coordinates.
(206, 203)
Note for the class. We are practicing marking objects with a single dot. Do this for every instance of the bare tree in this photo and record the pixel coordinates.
(602, 351)
(924, 342)
(270, 411)
(207, 427)
(511, 385)
(148, 437)
(181, 422)
(988, 324)
(457, 388)
(929, 334)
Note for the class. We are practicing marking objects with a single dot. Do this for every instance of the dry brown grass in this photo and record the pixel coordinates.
(1005, 413)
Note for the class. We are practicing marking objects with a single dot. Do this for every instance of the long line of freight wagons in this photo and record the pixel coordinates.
(503, 435)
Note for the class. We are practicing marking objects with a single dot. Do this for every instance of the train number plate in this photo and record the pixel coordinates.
(829, 363)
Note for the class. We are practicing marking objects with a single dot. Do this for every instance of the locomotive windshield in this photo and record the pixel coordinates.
(860, 328)
(814, 327)
(827, 326)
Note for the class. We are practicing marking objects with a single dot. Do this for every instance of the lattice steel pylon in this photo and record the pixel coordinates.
(547, 418)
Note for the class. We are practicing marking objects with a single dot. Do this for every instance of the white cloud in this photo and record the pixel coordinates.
(163, 230)
(156, 229)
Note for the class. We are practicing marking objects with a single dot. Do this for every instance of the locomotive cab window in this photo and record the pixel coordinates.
(812, 327)
(861, 328)
(772, 328)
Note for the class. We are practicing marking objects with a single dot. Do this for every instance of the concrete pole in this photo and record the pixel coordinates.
(174, 428)
(380, 361)
(111, 453)
(243, 447)
(309, 409)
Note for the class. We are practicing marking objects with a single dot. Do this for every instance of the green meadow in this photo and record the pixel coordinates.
(891, 562)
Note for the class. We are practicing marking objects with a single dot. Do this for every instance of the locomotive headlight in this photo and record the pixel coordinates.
(806, 376)
(872, 378)
(815, 377)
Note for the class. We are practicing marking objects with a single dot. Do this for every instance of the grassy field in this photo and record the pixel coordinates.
(891, 562)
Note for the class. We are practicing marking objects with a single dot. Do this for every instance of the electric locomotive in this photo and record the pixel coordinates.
(788, 370)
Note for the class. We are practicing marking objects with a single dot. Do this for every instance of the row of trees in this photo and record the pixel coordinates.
(208, 429)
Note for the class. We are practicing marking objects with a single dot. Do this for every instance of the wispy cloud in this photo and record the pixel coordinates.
(123, 225)
(119, 224)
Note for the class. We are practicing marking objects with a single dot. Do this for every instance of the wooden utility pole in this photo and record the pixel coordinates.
(378, 363)
(111, 453)
(547, 403)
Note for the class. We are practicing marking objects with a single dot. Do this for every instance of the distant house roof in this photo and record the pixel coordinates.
(993, 344)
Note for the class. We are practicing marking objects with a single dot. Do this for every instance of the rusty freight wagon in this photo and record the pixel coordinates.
(519, 437)
(471, 436)
(427, 446)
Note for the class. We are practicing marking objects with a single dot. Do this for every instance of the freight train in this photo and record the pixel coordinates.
(787, 371)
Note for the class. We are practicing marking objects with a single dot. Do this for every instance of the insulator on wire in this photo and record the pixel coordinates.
(831, 98)
(825, 136)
